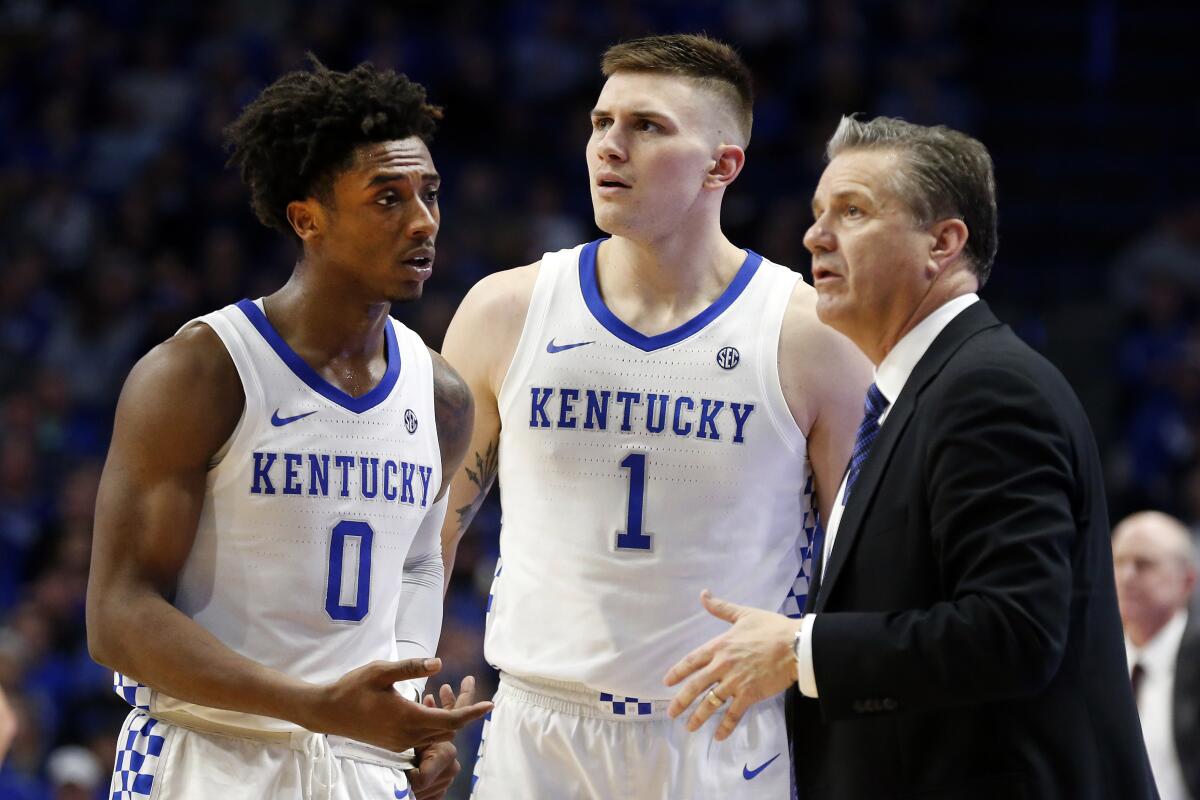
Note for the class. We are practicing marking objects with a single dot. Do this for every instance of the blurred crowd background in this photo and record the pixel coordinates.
(121, 223)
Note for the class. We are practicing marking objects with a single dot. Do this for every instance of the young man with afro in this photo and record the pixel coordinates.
(266, 571)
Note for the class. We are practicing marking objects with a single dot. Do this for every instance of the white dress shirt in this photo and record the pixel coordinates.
(890, 376)
(1158, 660)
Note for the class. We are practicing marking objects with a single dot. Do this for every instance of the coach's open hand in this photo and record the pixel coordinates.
(750, 662)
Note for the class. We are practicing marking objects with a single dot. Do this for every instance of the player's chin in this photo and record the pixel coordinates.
(406, 292)
(831, 305)
(613, 222)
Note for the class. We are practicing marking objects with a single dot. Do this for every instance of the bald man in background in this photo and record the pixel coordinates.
(1155, 562)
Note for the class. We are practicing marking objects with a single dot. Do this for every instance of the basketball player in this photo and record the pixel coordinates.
(275, 468)
(657, 405)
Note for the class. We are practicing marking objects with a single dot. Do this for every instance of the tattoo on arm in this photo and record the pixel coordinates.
(454, 409)
(482, 476)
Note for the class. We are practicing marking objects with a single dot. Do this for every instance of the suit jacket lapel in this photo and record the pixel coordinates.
(814, 581)
(971, 321)
(864, 489)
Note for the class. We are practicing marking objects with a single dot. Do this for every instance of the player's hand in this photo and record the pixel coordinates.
(363, 705)
(748, 663)
(437, 765)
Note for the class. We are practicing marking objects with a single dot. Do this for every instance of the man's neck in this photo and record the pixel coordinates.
(325, 323)
(939, 293)
(672, 278)
(1142, 632)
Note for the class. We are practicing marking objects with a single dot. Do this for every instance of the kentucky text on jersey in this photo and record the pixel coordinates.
(589, 410)
(316, 474)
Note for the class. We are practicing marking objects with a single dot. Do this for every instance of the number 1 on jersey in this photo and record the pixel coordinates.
(632, 538)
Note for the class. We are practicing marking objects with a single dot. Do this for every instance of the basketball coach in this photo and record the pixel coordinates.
(961, 637)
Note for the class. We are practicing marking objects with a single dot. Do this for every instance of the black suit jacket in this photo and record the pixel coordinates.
(1185, 707)
(967, 642)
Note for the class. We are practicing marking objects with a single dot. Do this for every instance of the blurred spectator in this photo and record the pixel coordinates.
(8, 725)
(156, 87)
(74, 773)
(23, 511)
(29, 311)
(1156, 282)
(1164, 432)
(1155, 564)
(1170, 253)
(20, 772)
(925, 67)
(62, 221)
(549, 226)
(97, 344)
(545, 55)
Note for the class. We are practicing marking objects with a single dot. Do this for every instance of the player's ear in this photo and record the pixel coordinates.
(306, 217)
(726, 166)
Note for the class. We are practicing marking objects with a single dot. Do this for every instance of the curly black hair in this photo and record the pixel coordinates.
(293, 139)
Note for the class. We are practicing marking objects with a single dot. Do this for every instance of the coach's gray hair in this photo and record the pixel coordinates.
(946, 174)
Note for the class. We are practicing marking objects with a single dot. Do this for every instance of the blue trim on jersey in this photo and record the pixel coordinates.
(591, 296)
(309, 375)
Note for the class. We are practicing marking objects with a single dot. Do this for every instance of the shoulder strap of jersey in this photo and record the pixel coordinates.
(779, 283)
(225, 323)
(417, 371)
(553, 270)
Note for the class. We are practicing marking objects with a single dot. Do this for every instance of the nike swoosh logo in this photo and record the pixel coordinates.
(400, 793)
(751, 774)
(551, 347)
(279, 421)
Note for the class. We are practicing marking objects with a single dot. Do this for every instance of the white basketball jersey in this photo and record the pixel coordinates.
(310, 511)
(637, 470)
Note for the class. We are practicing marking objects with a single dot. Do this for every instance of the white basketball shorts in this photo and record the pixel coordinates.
(546, 740)
(163, 761)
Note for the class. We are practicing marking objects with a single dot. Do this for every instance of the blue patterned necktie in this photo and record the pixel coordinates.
(867, 431)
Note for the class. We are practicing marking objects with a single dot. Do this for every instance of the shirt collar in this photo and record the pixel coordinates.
(1159, 654)
(892, 373)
